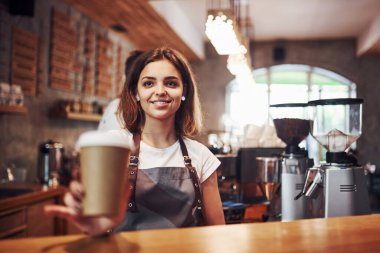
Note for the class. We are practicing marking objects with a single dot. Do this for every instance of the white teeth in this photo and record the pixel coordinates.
(160, 102)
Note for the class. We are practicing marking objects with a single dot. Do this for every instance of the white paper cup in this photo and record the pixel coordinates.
(104, 159)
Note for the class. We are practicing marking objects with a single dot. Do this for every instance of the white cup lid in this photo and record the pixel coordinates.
(117, 138)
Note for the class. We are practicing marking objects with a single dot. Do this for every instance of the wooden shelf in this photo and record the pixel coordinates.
(91, 117)
(61, 110)
(84, 116)
(13, 109)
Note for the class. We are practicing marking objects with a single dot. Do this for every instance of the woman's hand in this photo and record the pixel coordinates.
(72, 212)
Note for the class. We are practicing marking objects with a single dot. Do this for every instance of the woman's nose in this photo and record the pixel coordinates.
(160, 90)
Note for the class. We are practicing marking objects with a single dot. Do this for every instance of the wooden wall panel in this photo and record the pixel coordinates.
(4, 48)
(82, 58)
(88, 87)
(62, 51)
(120, 63)
(24, 60)
(104, 68)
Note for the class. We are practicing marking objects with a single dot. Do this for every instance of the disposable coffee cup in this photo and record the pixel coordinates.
(104, 159)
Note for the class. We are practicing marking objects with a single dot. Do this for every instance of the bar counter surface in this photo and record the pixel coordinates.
(342, 234)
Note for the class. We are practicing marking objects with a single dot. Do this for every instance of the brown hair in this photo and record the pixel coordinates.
(133, 55)
(188, 118)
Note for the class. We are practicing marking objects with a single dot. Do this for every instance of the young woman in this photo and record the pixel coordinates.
(174, 176)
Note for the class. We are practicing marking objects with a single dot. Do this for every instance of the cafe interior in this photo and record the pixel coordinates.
(288, 91)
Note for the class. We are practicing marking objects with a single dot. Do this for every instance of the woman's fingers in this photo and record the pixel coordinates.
(75, 173)
(60, 211)
(72, 202)
(77, 190)
(70, 211)
(70, 214)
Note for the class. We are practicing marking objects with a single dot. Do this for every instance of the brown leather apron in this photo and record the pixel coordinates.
(162, 197)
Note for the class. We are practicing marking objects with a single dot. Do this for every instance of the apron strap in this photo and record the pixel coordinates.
(194, 176)
(132, 173)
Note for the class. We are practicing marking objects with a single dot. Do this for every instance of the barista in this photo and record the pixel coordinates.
(159, 106)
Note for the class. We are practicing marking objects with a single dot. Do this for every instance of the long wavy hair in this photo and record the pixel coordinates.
(188, 118)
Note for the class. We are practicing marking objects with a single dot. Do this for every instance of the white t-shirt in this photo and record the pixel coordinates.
(109, 119)
(201, 157)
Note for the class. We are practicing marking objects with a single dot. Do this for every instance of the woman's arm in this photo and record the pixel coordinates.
(93, 226)
(212, 204)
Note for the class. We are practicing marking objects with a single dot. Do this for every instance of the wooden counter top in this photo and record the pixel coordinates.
(36, 192)
(21, 210)
(343, 234)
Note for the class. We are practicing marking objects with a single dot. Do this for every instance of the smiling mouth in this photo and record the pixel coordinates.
(161, 102)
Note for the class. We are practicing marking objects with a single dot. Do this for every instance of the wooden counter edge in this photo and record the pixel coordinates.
(339, 234)
(34, 196)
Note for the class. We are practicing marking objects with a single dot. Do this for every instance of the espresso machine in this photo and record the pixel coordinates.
(338, 187)
(292, 126)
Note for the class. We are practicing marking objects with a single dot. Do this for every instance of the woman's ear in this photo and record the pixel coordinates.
(137, 97)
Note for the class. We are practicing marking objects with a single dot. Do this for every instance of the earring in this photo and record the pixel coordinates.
(183, 98)
(137, 98)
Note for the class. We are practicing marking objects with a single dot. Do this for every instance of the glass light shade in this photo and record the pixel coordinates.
(221, 29)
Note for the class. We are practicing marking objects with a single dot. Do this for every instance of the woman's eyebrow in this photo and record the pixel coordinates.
(165, 78)
(148, 77)
(171, 77)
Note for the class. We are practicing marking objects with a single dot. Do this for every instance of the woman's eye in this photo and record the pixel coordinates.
(147, 83)
(172, 83)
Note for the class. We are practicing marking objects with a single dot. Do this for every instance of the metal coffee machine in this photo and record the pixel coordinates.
(337, 187)
(292, 126)
(50, 163)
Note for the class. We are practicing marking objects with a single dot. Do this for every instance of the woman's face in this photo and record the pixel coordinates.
(160, 89)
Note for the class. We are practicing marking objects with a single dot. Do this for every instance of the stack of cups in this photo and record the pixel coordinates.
(16, 95)
(5, 91)
(11, 94)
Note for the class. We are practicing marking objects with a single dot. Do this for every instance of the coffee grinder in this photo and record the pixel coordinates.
(292, 126)
(338, 187)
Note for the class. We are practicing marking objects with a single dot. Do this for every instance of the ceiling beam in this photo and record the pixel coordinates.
(145, 28)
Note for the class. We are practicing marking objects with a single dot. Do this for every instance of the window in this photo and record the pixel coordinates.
(248, 104)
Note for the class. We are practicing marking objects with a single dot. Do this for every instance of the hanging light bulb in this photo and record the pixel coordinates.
(224, 34)
(222, 31)
(238, 64)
